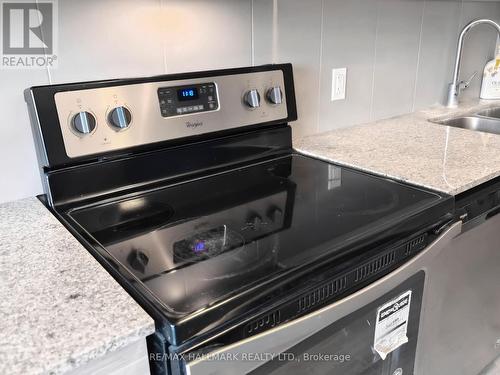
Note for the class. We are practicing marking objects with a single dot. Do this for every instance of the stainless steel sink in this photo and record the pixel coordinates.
(492, 112)
(481, 124)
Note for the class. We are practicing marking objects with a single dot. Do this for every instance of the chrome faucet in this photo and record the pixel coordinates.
(457, 86)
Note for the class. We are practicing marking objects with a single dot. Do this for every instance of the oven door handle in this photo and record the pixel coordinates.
(228, 360)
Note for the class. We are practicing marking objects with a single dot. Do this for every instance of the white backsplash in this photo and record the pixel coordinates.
(399, 54)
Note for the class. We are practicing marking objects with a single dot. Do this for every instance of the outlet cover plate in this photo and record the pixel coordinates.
(339, 84)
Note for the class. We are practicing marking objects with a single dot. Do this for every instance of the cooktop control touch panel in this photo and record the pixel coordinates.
(104, 119)
(182, 100)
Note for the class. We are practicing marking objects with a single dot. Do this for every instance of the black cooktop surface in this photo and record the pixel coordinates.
(197, 243)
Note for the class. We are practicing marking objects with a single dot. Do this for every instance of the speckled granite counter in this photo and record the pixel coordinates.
(412, 149)
(59, 308)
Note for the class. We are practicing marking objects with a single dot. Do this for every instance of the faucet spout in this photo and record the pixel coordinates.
(456, 86)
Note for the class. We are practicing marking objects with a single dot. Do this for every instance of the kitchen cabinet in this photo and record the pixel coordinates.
(130, 360)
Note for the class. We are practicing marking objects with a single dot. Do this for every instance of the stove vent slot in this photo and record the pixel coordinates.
(375, 266)
(415, 244)
(322, 293)
(268, 321)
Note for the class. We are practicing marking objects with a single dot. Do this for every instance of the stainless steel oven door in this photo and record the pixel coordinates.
(258, 354)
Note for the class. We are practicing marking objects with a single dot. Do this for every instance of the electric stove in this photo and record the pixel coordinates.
(188, 191)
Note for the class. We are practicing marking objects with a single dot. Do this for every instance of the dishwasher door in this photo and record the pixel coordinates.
(460, 326)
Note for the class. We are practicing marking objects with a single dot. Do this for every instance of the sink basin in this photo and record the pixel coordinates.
(481, 124)
(492, 112)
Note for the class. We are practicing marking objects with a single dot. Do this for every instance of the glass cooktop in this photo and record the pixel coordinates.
(194, 244)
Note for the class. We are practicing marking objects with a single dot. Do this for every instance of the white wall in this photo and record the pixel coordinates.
(399, 54)
(101, 39)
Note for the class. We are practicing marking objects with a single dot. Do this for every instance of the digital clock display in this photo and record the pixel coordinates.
(187, 93)
(189, 98)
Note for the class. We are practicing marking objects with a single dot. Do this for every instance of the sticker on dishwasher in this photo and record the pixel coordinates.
(392, 325)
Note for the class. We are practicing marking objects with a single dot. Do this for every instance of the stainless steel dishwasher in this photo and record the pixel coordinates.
(461, 308)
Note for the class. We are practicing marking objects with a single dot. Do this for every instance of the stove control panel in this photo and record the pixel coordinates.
(183, 100)
(97, 120)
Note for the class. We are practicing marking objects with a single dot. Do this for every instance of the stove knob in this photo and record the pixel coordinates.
(275, 214)
(252, 98)
(120, 118)
(255, 221)
(274, 95)
(83, 122)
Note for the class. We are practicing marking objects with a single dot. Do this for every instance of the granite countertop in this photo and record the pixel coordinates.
(410, 148)
(59, 308)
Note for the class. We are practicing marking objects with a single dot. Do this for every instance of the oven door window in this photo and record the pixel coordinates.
(347, 346)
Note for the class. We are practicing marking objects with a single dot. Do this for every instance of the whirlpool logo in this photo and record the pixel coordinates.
(29, 34)
(193, 124)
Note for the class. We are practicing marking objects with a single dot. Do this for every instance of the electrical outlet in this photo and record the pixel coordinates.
(339, 83)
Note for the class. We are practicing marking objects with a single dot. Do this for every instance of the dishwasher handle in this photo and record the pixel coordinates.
(493, 212)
